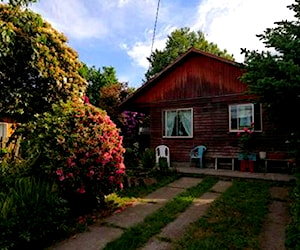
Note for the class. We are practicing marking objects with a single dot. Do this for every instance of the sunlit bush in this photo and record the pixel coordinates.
(80, 147)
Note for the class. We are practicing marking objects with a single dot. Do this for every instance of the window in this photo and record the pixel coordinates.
(3, 129)
(178, 123)
(243, 115)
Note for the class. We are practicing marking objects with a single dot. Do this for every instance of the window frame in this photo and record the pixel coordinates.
(253, 115)
(164, 117)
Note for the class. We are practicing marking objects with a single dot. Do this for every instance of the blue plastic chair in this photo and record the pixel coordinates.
(197, 154)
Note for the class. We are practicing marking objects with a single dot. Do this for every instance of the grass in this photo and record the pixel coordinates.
(118, 201)
(293, 228)
(233, 221)
(143, 190)
(138, 235)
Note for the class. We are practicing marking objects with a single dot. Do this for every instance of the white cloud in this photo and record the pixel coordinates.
(234, 24)
(72, 17)
(139, 51)
(231, 24)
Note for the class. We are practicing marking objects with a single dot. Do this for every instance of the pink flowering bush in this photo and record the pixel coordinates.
(246, 139)
(80, 147)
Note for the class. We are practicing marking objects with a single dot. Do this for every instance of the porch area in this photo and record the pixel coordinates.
(225, 173)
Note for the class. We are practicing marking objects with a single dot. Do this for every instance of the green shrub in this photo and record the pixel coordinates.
(31, 214)
(148, 158)
(131, 157)
(293, 229)
(78, 146)
(163, 164)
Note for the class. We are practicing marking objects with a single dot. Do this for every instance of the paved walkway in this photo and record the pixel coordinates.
(114, 226)
(273, 230)
(177, 228)
(236, 174)
(99, 236)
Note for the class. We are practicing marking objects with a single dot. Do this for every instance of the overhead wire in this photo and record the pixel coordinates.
(155, 26)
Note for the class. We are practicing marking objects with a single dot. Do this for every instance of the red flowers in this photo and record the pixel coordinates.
(246, 143)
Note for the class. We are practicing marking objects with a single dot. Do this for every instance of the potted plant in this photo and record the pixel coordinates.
(246, 155)
(262, 155)
(163, 164)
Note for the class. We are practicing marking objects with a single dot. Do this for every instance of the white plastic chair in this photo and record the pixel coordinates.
(162, 151)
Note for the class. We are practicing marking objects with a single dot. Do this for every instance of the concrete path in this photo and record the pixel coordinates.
(114, 226)
(273, 231)
(175, 230)
(99, 236)
(235, 174)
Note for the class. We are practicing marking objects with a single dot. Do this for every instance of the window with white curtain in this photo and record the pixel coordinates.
(244, 115)
(178, 123)
(3, 129)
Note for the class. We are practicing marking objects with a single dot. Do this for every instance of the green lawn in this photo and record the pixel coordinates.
(232, 222)
(138, 235)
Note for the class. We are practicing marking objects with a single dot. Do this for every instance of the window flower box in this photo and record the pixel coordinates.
(276, 155)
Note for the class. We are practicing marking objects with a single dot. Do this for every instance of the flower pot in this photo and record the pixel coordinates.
(262, 155)
(247, 156)
(247, 164)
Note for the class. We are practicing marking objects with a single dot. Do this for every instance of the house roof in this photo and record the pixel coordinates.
(151, 82)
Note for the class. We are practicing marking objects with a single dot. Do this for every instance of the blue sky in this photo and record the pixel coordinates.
(119, 33)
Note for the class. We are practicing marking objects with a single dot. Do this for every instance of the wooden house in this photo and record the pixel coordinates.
(200, 100)
(6, 128)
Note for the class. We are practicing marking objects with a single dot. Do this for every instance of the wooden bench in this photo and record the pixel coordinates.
(219, 161)
(286, 161)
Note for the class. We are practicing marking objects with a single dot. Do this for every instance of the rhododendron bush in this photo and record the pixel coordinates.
(79, 146)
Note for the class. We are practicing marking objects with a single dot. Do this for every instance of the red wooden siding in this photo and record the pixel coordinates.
(197, 76)
(207, 84)
(211, 128)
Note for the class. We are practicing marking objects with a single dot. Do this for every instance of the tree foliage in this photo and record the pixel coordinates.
(20, 2)
(178, 42)
(274, 75)
(105, 91)
(96, 79)
(37, 67)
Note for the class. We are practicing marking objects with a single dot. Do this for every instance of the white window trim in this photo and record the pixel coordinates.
(164, 122)
(244, 104)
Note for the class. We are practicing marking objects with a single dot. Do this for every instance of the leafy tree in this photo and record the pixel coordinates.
(37, 67)
(105, 91)
(177, 44)
(274, 75)
(111, 97)
(20, 2)
(96, 80)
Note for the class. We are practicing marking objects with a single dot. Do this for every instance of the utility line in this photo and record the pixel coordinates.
(154, 29)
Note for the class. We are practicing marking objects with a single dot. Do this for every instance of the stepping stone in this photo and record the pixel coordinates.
(273, 230)
(199, 207)
(176, 229)
(152, 202)
(99, 236)
(221, 186)
(185, 182)
(94, 239)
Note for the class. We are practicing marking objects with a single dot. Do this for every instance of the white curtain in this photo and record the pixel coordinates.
(186, 119)
(170, 122)
(245, 115)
